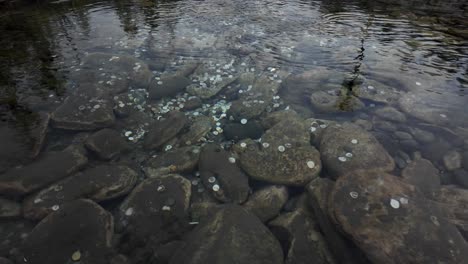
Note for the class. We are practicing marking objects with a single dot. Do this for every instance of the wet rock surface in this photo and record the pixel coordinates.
(238, 131)
(222, 176)
(391, 114)
(423, 174)
(392, 222)
(164, 130)
(267, 202)
(156, 211)
(180, 160)
(286, 149)
(200, 126)
(168, 86)
(80, 226)
(107, 144)
(101, 183)
(9, 208)
(231, 235)
(45, 170)
(297, 231)
(347, 147)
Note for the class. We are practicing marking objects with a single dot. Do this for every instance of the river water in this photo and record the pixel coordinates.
(396, 69)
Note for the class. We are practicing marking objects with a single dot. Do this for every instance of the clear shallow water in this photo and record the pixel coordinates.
(365, 55)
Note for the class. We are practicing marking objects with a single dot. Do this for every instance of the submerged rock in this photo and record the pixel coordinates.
(101, 183)
(452, 160)
(422, 174)
(5, 261)
(392, 222)
(13, 234)
(348, 147)
(9, 209)
(267, 202)
(285, 155)
(334, 100)
(297, 231)
(455, 203)
(168, 86)
(391, 114)
(107, 144)
(177, 161)
(229, 236)
(49, 168)
(238, 131)
(165, 129)
(200, 127)
(157, 210)
(222, 176)
(84, 112)
(81, 226)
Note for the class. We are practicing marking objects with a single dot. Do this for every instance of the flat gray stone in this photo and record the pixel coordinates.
(180, 160)
(107, 144)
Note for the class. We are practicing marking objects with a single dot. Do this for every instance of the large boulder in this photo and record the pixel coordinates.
(285, 155)
(107, 144)
(49, 168)
(101, 183)
(84, 112)
(297, 231)
(392, 222)
(267, 202)
(230, 235)
(222, 176)
(81, 230)
(347, 147)
(156, 211)
(165, 129)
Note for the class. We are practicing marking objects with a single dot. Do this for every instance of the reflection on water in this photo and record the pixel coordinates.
(397, 69)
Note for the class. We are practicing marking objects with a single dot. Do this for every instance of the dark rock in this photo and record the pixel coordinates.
(344, 251)
(367, 153)
(164, 130)
(101, 183)
(83, 112)
(231, 235)
(237, 131)
(119, 259)
(248, 109)
(193, 103)
(157, 210)
(200, 127)
(461, 177)
(296, 164)
(215, 164)
(300, 238)
(455, 203)
(200, 211)
(422, 136)
(392, 222)
(436, 150)
(177, 161)
(452, 160)
(13, 234)
(385, 126)
(107, 144)
(211, 86)
(5, 261)
(167, 251)
(81, 225)
(334, 101)
(409, 144)
(50, 168)
(390, 113)
(274, 118)
(403, 135)
(38, 133)
(422, 174)
(267, 202)
(9, 209)
(168, 86)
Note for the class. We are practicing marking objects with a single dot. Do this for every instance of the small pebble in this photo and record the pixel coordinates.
(97, 106)
(394, 204)
(76, 256)
(281, 148)
(311, 164)
(243, 121)
(129, 211)
(354, 195)
(342, 159)
(216, 187)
